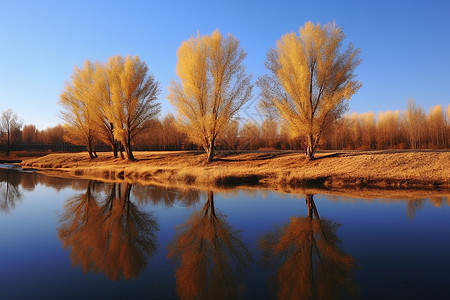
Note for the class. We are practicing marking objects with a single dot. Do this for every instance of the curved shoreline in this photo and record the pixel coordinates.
(269, 169)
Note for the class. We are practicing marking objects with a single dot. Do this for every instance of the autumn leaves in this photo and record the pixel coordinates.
(214, 86)
(309, 83)
(110, 102)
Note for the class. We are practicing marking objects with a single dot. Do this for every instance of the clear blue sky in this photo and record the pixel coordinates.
(405, 44)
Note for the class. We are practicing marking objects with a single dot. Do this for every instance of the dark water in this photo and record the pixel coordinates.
(80, 239)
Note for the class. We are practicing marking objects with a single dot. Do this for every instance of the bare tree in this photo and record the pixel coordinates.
(214, 86)
(311, 79)
(9, 129)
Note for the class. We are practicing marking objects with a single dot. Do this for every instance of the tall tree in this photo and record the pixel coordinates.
(79, 104)
(102, 122)
(214, 86)
(310, 81)
(9, 128)
(133, 93)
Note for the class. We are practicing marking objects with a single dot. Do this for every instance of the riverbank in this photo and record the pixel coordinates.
(273, 169)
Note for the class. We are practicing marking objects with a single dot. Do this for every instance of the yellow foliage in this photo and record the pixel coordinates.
(109, 102)
(311, 79)
(213, 87)
(133, 93)
(79, 103)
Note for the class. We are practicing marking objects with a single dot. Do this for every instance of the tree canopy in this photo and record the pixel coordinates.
(310, 81)
(214, 86)
(109, 102)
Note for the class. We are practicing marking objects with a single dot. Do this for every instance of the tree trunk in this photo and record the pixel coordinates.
(113, 141)
(209, 154)
(89, 149)
(120, 146)
(129, 151)
(210, 150)
(312, 147)
(312, 210)
(115, 149)
(211, 203)
(8, 144)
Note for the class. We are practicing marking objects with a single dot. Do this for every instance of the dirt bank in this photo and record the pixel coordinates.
(275, 169)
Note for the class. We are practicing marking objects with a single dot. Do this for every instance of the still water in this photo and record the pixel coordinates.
(72, 239)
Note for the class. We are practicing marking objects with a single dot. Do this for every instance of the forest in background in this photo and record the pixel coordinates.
(412, 128)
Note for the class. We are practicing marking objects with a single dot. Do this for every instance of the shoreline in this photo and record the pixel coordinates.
(276, 170)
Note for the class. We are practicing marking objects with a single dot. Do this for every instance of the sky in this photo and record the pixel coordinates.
(405, 45)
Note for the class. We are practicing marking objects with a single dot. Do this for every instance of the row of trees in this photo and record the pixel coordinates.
(310, 81)
(304, 96)
(412, 128)
(49, 136)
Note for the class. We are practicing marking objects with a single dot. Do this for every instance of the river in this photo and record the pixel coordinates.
(83, 239)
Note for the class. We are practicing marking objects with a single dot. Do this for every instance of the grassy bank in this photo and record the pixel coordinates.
(275, 169)
(19, 156)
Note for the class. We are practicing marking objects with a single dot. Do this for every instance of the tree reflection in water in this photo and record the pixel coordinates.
(165, 196)
(111, 236)
(212, 256)
(307, 259)
(9, 190)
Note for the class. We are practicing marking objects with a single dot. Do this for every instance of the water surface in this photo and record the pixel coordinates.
(71, 239)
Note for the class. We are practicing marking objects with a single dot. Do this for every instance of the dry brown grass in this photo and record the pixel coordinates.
(15, 156)
(278, 170)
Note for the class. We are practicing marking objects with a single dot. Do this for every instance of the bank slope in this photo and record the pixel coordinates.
(383, 169)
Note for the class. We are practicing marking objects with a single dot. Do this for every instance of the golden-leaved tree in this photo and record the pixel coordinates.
(310, 81)
(109, 102)
(133, 91)
(214, 86)
(104, 127)
(79, 104)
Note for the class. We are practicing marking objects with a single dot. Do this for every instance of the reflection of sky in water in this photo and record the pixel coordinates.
(399, 255)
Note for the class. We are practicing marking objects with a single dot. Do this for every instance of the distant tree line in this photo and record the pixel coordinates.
(412, 128)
